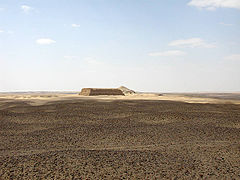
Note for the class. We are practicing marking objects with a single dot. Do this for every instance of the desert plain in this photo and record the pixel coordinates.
(141, 136)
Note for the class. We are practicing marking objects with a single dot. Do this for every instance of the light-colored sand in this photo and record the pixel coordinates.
(43, 98)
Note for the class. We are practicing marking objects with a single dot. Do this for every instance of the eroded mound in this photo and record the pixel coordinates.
(126, 91)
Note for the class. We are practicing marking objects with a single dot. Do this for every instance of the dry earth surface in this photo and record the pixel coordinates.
(144, 136)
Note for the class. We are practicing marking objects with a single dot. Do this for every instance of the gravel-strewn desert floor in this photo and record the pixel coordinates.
(87, 138)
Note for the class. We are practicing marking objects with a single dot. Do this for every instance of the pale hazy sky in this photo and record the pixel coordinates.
(146, 45)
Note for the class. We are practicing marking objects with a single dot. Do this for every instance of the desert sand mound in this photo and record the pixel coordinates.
(126, 91)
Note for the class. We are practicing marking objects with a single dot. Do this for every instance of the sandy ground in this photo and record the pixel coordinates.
(43, 98)
(146, 136)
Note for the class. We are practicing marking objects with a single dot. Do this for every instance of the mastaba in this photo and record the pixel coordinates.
(100, 91)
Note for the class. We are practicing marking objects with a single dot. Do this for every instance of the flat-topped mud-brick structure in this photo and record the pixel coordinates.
(100, 91)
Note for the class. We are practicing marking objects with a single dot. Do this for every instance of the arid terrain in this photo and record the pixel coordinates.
(143, 136)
